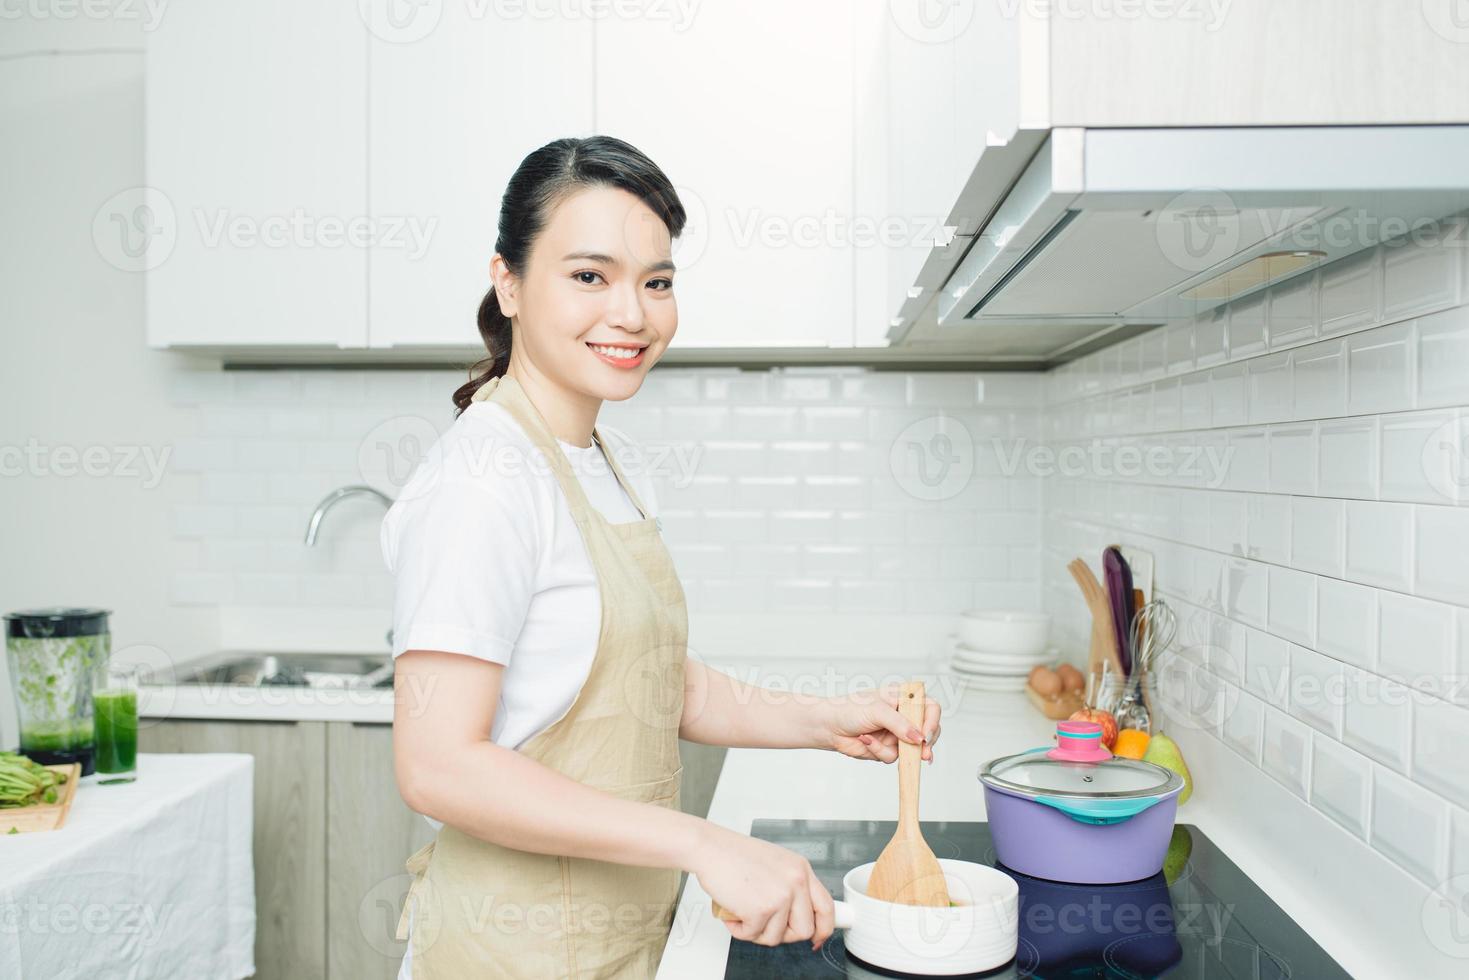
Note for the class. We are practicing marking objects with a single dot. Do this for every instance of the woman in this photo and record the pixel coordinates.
(540, 629)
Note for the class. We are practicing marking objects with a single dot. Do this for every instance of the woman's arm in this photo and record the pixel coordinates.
(721, 710)
(448, 769)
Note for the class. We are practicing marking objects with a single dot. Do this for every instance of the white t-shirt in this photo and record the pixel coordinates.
(488, 562)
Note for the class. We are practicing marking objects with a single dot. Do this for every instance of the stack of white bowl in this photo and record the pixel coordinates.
(995, 650)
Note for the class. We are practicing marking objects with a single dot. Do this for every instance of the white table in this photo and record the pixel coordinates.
(152, 878)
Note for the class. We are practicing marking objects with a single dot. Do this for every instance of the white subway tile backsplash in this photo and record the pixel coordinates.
(1227, 519)
(1211, 338)
(1415, 640)
(1375, 717)
(1442, 552)
(1346, 626)
(766, 492)
(1267, 667)
(1419, 278)
(1248, 465)
(1379, 542)
(1246, 594)
(1230, 396)
(1347, 459)
(1320, 380)
(1247, 326)
(1292, 604)
(1418, 463)
(1440, 732)
(1324, 579)
(1268, 528)
(1243, 726)
(1316, 684)
(1178, 342)
(761, 560)
(1317, 534)
(1459, 854)
(1285, 752)
(1341, 784)
(1293, 316)
(1350, 292)
(1380, 370)
(1194, 400)
(1292, 458)
(1270, 388)
(1443, 358)
(1410, 826)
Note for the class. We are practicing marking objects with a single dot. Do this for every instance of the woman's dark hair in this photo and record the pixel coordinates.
(545, 178)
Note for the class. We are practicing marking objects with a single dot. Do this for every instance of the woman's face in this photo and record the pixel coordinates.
(594, 308)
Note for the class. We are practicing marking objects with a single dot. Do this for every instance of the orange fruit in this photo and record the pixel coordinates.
(1131, 743)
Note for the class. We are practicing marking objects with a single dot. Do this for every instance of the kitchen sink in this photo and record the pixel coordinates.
(317, 670)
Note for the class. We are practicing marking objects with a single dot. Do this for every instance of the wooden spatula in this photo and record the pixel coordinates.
(906, 871)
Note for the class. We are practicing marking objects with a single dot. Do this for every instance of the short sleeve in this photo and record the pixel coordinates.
(464, 558)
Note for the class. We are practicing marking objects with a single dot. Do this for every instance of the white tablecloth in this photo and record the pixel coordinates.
(149, 879)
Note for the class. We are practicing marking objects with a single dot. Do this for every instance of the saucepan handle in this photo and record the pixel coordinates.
(844, 913)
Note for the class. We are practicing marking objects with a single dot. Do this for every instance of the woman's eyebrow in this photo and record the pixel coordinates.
(665, 265)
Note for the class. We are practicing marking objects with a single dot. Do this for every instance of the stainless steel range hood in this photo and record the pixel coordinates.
(1106, 230)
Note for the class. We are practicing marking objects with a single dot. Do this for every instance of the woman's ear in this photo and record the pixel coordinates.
(505, 286)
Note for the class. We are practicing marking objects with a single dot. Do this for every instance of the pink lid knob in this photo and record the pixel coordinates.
(1079, 741)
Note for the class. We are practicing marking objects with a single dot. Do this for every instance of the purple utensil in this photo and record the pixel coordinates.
(1118, 576)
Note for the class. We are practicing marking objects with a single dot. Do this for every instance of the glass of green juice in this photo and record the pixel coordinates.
(115, 724)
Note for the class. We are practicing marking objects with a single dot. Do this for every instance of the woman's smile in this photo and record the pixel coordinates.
(619, 355)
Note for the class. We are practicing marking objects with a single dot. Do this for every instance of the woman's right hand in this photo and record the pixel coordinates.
(776, 895)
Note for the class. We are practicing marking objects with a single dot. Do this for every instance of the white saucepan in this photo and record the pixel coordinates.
(979, 932)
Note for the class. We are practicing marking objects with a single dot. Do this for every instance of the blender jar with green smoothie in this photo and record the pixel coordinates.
(53, 656)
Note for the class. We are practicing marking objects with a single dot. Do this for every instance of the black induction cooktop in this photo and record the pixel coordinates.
(1201, 917)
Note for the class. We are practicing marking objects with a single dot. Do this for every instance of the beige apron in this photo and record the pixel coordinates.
(482, 910)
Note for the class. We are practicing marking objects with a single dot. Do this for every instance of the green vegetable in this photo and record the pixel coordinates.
(24, 782)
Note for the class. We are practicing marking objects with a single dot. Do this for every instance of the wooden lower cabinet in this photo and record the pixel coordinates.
(331, 834)
(371, 832)
(289, 836)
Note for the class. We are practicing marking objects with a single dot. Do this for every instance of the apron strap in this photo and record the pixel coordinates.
(608, 455)
(417, 866)
(507, 392)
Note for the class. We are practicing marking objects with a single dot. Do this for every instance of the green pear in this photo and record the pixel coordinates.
(1180, 846)
(1163, 751)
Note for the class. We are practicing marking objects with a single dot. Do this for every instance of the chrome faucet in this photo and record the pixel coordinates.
(335, 497)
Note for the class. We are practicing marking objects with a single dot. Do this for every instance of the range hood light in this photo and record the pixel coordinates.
(895, 322)
(915, 291)
(1262, 270)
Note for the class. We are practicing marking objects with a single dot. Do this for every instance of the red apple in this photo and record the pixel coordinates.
(1103, 718)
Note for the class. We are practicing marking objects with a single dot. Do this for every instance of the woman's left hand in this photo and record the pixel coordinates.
(866, 724)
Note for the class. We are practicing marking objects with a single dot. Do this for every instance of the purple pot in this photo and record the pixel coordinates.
(1085, 823)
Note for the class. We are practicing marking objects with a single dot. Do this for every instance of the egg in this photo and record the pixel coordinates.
(1045, 682)
(1071, 679)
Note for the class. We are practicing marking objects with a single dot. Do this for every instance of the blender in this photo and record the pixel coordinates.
(53, 656)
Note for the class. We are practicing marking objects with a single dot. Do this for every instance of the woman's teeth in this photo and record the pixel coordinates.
(623, 353)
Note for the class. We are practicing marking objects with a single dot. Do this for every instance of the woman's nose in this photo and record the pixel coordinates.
(625, 309)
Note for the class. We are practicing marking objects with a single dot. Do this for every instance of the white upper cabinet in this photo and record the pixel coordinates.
(748, 107)
(459, 95)
(255, 210)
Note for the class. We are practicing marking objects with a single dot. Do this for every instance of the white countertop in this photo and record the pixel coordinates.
(229, 702)
(977, 727)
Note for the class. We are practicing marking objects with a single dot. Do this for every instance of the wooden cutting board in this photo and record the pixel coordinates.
(44, 816)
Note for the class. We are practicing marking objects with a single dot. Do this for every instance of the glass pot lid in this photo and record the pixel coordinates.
(1033, 774)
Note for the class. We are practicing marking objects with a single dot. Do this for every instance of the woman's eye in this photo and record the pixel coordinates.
(588, 277)
(661, 284)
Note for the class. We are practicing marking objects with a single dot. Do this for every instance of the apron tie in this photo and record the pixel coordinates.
(417, 866)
